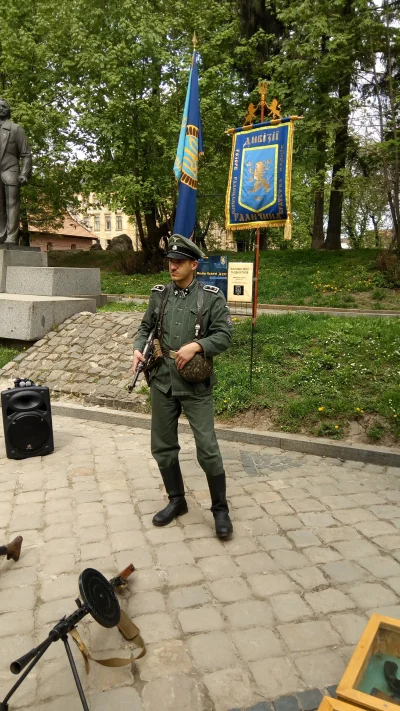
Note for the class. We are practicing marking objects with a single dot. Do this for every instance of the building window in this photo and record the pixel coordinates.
(108, 223)
(49, 246)
(73, 246)
(97, 223)
(119, 222)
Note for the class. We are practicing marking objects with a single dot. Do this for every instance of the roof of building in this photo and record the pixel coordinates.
(70, 228)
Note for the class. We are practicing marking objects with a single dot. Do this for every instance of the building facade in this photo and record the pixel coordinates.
(72, 235)
(106, 223)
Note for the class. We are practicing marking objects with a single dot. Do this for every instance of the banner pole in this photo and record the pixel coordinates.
(262, 88)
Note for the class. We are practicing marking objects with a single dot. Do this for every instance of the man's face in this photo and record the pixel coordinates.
(181, 269)
(4, 110)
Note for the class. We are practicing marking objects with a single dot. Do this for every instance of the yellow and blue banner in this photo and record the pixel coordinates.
(259, 178)
(190, 147)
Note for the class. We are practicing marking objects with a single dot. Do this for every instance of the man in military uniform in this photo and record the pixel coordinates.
(170, 392)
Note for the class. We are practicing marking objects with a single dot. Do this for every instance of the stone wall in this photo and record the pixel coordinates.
(89, 357)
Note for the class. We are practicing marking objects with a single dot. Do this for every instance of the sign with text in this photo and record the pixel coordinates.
(240, 282)
(214, 271)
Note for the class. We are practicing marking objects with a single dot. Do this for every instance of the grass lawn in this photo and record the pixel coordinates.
(7, 353)
(316, 375)
(343, 279)
(122, 306)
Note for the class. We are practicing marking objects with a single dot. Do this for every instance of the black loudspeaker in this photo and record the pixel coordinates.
(28, 428)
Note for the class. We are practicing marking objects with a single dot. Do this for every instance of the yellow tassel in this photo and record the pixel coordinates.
(288, 228)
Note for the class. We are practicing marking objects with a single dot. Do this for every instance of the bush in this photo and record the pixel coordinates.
(388, 263)
(129, 262)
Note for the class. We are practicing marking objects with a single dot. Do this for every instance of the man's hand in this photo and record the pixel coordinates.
(22, 180)
(137, 358)
(186, 353)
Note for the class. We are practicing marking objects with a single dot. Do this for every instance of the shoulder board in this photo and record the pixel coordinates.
(209, 287)
(158, 287)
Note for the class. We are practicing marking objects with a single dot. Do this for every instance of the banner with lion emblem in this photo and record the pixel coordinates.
(259, 178)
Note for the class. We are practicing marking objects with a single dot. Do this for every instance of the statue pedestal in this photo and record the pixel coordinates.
(18, 247)
(35, 297)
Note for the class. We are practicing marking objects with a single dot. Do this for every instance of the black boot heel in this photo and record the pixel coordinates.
(219, 508)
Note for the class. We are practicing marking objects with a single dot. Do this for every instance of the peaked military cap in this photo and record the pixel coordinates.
(182, 248)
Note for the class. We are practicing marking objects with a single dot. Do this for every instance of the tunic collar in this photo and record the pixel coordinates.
(183, 293)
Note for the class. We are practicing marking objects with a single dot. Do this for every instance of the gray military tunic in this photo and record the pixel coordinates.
(170, 393)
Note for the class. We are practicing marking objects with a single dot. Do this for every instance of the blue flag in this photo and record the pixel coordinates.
(190, 147)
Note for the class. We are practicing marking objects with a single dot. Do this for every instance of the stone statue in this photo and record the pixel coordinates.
(14, 147)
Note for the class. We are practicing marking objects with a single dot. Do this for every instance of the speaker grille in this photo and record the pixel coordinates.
(28, 432)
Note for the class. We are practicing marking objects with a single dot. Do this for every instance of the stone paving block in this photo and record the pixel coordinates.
(289, 607)
(230, 590)
(249, 613)
(304, 538)
(126, 540)
(320, 668)
(275, 677)
(309, 699)
(286, 703)
(274, 542)
(308, 578)
(92, 534)
(257, 643)
(329, 600)
(385, 511)
(371, 595)
(118, 524)
(203, 619)
(256, 563)
(55, 678)
(305, 505)
(145, 602)
(95, 519)
(123, 699)
(262, 526)
(147, 579)
(321, 554)
(156, 627)
(172, 693)
(288, 523)
(380, 566)
(371, 529)
(248, 513)
(278, 508)
(141, 557)
(267, 584)
(62, 587)
(59, 546)
(219, 566)
(100, 549)
(21, 621)
(18, 578)
(21, 599)
(212, 651)
(174, 554)
(229, 687)
(343, 571)
(53, 611)
(317, 520)
(183, 575)
(189, 597)
(206, 547)
(349, 625)
(240, 545)
(164, 659)
(307, 636)
(394, 584)
(355, 551)
(391, 543)
(337, 533)
(287, 560)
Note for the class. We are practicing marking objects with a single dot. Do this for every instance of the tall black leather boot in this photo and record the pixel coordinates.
(173, 482)
(219, 507)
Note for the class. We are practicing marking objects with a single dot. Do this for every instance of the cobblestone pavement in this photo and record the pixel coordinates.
(276, 610)
(89, 357)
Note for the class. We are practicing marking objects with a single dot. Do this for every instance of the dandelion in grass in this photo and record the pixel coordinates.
(320, 409)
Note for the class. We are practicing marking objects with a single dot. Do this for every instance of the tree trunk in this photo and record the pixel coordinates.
(318, 226)
(24, 233)
(263, 238)
(339, 156)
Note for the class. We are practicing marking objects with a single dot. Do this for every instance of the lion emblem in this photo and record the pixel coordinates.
(259, 175)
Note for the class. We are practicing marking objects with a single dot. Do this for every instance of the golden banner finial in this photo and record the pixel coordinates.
(194, 40)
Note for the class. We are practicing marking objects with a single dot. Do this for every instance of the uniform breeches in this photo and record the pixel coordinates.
(199, 411)
(9, 212)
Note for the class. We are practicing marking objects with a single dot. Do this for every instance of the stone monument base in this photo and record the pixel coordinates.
(28, 318)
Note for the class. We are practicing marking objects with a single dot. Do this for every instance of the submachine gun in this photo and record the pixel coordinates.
(152, 351)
